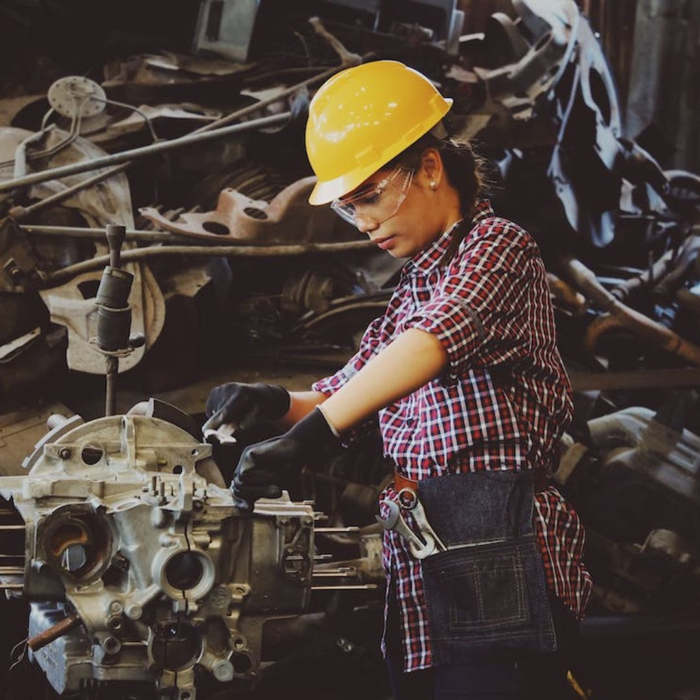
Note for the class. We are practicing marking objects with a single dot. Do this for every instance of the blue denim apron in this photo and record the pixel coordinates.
(487, 592)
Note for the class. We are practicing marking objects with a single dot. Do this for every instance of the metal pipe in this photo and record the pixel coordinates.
(349, 587)
(260, 251)
(99, 234)
(22, 212)
(275, 98)
(337, 530)
(11, 571)
(53, 633)
(622, 315)
(142, 152)
(19, 212)
(111, 372)
(12, 527)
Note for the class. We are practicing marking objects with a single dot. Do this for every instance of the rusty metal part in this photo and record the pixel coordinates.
(666, 274)
(288, 217)
(259, 251)
(347, 58)
(565, 294)
(53, 633)
(622, 316)
(144, 151)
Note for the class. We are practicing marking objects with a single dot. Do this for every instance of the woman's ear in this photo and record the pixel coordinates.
(432, 167)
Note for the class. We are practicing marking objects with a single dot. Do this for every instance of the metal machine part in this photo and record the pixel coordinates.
(162, 572)
(286, 218)
(74, 95)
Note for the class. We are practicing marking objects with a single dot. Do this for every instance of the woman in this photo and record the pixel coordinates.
(470, 392)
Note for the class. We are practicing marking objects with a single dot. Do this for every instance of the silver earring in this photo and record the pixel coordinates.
(433, 185)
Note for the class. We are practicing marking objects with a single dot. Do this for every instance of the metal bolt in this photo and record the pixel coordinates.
(116, 607)
(64, 453)
(134, 611)
(223, 670)
(111, 645)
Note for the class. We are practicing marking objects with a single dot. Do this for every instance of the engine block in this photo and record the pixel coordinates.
(131, 543)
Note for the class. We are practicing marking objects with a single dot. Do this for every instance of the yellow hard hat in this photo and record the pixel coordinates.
(364, 116)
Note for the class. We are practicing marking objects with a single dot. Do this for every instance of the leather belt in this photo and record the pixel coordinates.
(403, 482)
(540, 481)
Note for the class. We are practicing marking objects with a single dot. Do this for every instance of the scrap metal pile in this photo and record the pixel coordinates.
(132, 542)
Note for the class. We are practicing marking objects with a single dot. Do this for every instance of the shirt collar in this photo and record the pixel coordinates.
(427, 258)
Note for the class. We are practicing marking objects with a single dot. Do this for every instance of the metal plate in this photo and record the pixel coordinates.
(74, 92)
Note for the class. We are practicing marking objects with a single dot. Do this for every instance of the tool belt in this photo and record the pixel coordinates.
(487, 591)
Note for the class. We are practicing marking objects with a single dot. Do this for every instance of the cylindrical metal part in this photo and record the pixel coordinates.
(111, 372)
(114, 288)
(113, 327)
(52, 633)
(116, 233)
(55, 420)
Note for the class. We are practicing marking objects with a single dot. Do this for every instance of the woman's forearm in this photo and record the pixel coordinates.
(410, 361)
(301, 403)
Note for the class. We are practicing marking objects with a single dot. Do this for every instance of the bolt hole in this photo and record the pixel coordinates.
(255, 213)
(238, 643)
(91, 455)
(178, 469)
(195, 452)
(216, 228)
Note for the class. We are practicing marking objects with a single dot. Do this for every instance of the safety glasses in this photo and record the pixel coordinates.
(375, 202)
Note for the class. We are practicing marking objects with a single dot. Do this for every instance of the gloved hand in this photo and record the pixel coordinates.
(245, 405)
(263, 466)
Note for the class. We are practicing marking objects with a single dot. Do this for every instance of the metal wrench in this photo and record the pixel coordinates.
(394, 521)
(410, 501)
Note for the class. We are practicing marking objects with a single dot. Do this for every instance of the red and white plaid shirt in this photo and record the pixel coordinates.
(502, 402)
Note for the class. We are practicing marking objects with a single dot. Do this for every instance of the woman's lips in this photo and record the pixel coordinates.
(386, 243)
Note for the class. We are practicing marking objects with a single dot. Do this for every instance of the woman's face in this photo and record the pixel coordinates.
(419, 207)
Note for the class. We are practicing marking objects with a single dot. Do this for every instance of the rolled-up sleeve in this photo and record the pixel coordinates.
(479, 309)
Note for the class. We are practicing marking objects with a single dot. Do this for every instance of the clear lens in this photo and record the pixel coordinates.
(377, 201)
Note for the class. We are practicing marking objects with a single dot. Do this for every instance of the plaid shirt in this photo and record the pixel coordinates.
(502, 401)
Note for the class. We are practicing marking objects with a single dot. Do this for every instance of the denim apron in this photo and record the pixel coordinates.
(487, 592)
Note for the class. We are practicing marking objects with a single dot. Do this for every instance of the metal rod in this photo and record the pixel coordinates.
(352, 528)
(111, 371)
(19, 212)
(270, 100)
(99, 234)
(11, 586)
(142, 152)
(52, 633)
(11, 570)
(12, 527)
(349, 587)
(259, 251)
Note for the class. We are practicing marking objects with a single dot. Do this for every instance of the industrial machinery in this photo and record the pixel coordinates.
(138, 567)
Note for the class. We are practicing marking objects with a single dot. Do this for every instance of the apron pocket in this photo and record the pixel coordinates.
(487, 597)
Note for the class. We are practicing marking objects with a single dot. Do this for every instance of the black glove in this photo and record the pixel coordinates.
(262, 467)
(245, 405)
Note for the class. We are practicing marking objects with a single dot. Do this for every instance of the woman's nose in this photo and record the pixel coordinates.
(365, 223)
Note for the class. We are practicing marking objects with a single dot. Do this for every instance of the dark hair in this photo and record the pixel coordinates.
(465, 172)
